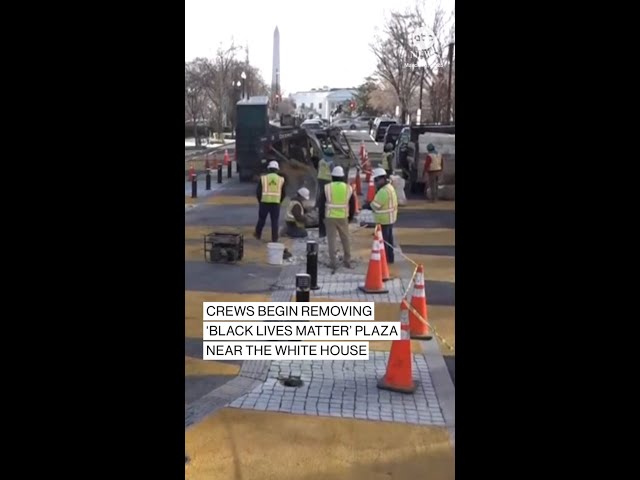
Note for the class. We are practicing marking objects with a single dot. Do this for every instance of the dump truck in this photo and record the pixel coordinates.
(411, 152)
(259, 141)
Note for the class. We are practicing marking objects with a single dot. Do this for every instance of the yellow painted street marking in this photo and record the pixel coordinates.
(196, 367)
(424, 236)
(243, 444)
(426, 205)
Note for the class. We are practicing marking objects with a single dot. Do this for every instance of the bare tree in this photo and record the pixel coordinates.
(412, 53)
(194, 95)
(438, 34)
(212, 90)
(394, 52)
(219, 86)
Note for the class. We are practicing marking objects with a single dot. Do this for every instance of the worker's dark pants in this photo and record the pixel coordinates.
(322, 229)
(294, 231)
(273, 210)
(387, 236)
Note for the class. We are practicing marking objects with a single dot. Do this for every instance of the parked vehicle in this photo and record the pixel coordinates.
(392, 133)
(345, 123)
(380, 127)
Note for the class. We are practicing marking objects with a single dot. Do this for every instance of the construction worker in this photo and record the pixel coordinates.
(325, 165)
(387, 158)
(337, 207)
(270, 193)
(295, 218)
(433, 167)
(385, 209)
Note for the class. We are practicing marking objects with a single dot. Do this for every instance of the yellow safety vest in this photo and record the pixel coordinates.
(436, 162)
(271, 188)
(386, 160)
(324, 170)
(338, 195)
(289, 217)
(385, 206)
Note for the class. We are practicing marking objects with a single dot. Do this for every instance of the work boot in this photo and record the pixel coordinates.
(348, 265)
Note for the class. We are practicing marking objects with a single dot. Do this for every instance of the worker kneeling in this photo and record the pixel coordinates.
(295, 218)
(385, 209)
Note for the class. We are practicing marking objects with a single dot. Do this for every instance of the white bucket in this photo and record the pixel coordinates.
(275, 252)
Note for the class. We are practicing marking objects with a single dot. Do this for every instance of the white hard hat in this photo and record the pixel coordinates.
(337, 172)
(378, 172)
(304, 193)
(273, 164)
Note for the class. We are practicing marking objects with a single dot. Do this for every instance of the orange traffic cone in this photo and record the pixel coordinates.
(358, 182)
(419, 329)
(226, 157)
(192, 172)
(373, 282)
(371, 191)
(398, 377)
(383, 255)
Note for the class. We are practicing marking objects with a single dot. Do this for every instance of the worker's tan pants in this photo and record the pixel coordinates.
(341, 226)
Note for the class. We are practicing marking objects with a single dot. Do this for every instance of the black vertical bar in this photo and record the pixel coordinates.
(303, 282)
(450, 73)
(194, 187)
(220, 173)
(312, 264)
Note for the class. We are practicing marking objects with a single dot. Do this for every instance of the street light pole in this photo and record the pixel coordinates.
(421, 88)
(244, 78)
(451, 45)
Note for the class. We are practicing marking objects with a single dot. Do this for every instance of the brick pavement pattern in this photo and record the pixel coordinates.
(346, 389)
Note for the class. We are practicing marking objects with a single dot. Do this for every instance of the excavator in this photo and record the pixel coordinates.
(259, 141)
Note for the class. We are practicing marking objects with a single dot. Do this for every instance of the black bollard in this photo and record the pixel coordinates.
(229, 167)
(303, 281)
(194, 186)
(208, 186)
(312, 264)
(220, 173)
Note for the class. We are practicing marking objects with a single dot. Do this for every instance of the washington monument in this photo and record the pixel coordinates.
(275, 72)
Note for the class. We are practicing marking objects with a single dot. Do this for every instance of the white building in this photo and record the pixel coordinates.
(320, 102)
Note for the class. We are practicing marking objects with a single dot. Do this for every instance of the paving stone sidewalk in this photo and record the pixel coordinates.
(346, 389)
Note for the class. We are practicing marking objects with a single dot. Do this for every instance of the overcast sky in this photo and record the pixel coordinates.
(321, 43)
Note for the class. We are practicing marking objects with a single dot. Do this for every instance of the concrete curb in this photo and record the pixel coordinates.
(440, 378)
(442, 384)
